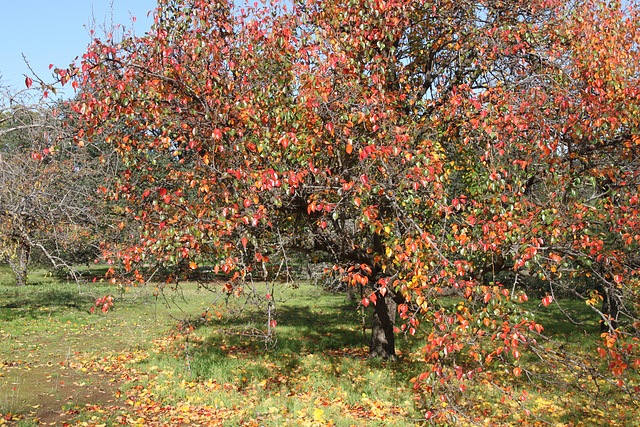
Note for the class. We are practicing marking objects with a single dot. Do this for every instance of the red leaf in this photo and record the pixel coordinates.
(373, 298)
(365, 301)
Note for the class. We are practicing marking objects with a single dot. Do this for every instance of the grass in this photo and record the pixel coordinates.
(45, 327)
(60, 364)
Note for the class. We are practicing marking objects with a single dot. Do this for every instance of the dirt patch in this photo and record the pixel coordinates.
(49, 392)
(57, 367)
(75, 391)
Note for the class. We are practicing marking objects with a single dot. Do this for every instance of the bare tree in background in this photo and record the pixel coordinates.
(50, 206)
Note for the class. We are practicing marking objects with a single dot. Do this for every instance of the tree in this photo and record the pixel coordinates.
(425, 148)
(49, 204)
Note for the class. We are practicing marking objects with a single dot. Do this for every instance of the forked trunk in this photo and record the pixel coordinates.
(382, 336)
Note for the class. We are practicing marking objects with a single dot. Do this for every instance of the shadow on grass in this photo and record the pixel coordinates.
(30, 302)
(568, 318)
(319, 330)
(304, 329)
(330, 335)
(333, 335)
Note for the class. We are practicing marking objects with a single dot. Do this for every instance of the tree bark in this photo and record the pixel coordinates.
(351, 293)
(19, 263)
(610, 308)
(382, 336)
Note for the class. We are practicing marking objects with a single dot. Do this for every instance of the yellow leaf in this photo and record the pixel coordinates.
(317, 414)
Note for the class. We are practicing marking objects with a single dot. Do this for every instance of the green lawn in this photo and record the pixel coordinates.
(62, 365)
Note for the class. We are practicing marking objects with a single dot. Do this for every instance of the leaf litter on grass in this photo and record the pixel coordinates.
(275, 399)
(124, 368)
(78, 369)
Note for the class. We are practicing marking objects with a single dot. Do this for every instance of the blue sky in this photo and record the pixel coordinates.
(56, 31)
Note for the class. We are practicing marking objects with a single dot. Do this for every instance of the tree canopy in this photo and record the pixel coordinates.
(484, 150)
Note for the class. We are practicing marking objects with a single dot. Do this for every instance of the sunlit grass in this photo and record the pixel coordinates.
(151, 371)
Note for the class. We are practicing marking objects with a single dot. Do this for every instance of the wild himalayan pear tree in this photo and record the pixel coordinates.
(426, 148)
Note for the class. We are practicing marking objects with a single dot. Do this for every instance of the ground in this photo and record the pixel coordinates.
(140, 363)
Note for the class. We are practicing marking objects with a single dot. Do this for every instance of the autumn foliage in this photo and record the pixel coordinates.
(483, 151)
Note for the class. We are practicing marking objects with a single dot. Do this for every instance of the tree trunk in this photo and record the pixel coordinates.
(20, 262)
(611, 309)
(351, 293)
(382, 335)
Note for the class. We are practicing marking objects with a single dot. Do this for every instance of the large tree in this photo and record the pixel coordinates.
(424, 147)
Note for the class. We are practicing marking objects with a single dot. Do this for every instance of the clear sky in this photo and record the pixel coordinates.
(57, 31)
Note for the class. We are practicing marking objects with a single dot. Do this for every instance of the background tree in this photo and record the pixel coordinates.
(49, 203)
(426, 148)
